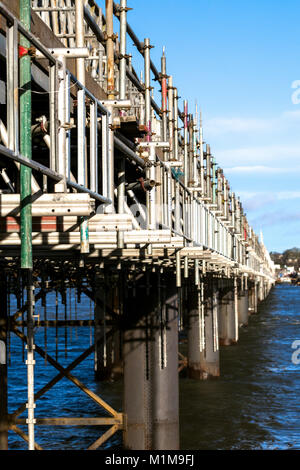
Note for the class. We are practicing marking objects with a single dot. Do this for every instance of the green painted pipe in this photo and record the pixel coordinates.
(25, 142)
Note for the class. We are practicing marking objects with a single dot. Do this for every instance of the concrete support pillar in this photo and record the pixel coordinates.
(103, 345)
(250, 300)
(243, 308)
(150, 357)
(3, 362)
(165, 380)
(137, 388)
(261, 293)
(203, 362)
(252, 293)
(227, 318)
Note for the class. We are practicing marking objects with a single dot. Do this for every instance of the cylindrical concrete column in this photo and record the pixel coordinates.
(243, 308)
(165, 380)
(203, 360)
(103, 344)
(252, 296)
(137, 388)
(261, 293)
(227, 318)
(255, 298)
(150, 357)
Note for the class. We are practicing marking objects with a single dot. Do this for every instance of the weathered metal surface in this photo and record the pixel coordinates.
(58, 204)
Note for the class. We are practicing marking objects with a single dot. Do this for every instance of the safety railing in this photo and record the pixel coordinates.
(57, 128)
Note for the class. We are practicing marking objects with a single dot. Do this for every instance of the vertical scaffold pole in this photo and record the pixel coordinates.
(26, 215)
(151, 195)
(122, 95)
(81, 116)
(110, 95)
(185, 161)
(203, 346)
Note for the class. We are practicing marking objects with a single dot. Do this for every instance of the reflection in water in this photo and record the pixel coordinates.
(253, 405)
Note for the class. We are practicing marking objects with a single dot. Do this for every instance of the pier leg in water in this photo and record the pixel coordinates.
(103, 364)
(137, 388)
(165, 371)
(253, 299)
(243, 308)
(203, 362)
(3, 362)
(150, 357)
(261, 293)
(227, 318)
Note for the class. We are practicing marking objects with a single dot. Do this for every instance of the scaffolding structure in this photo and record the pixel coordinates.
(105, 190)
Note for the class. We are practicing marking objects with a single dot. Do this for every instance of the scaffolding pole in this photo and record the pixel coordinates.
(26, 214)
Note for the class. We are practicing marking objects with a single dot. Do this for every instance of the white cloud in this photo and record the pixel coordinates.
(235, 124)
(258, 169)
(291, 115)
(216, 126)
(254, 200)
(261, 156)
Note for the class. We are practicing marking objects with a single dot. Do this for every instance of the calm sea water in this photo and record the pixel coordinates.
(254, 405)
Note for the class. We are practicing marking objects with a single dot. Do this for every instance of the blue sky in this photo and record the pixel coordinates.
(239, 60)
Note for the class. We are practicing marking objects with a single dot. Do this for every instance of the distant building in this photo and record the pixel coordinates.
(290, 269)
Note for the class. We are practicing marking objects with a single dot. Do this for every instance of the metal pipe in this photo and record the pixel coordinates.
(93, 147)
(110, 49)
(132, 77)
(12, 72)
(25, 138)
(164, 95)
(6, 179)
(26, 214)
(104, 128)
(60, 165)
(122, 96)
(123, 27)
(145, 185)
(185, 164)
(151, 198)
(208, 172)
(191, 151)
(195, 149)
(3, 134)
(147, 87)
(201, 156)
(140, 207)
(176, 129)
(81, 119)
(110, 159)
(121, 199)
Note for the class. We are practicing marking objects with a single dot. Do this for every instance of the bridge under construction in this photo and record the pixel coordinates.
(109, 191)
